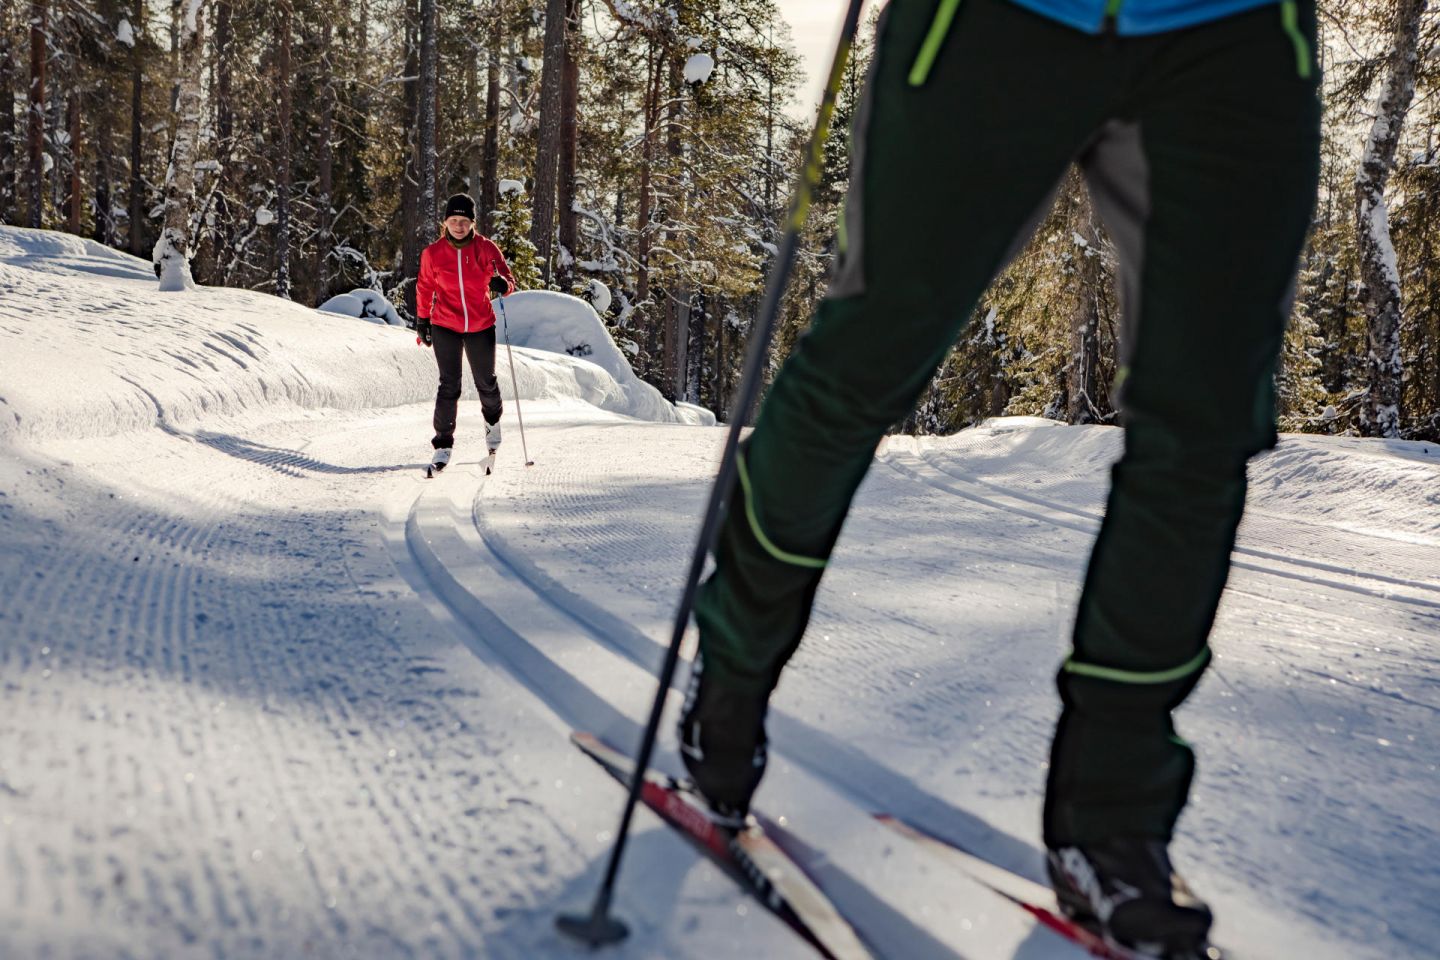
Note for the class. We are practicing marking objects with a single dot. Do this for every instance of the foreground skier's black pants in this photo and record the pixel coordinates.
(479, 347)
(1201, 151)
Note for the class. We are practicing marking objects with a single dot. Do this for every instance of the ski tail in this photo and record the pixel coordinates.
(748, 855)
(1034, 898)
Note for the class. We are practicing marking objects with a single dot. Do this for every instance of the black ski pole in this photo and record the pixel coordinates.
(598, 927)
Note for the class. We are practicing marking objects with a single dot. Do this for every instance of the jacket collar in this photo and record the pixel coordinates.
(460, 244)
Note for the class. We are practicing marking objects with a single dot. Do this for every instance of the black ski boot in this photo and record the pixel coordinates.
(1126, 889)
(722, 742)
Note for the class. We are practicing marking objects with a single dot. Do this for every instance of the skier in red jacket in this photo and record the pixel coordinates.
(458, 273)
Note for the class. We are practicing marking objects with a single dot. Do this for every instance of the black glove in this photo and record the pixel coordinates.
(422, 331)
(498, 286)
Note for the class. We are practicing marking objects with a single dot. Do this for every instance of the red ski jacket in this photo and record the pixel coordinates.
(453, 289)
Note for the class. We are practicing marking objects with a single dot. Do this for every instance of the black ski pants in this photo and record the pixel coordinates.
(1201, 151)
(479, 348)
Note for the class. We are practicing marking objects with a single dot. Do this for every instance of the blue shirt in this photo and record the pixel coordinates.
(1134, 17)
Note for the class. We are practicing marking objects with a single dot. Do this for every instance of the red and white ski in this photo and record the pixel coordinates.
(747, 855)
(1034, 898)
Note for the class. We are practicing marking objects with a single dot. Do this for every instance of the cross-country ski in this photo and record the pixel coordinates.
(747, 853)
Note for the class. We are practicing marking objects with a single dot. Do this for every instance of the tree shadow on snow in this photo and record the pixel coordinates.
(289, 462)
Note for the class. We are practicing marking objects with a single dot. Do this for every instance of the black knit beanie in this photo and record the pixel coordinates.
(462, 204)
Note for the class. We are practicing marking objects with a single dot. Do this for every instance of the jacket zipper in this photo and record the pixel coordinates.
(460, 272)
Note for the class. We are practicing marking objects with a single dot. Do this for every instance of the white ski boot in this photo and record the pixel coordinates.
(439, 460)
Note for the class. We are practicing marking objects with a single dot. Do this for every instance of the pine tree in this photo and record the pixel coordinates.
(511, 233)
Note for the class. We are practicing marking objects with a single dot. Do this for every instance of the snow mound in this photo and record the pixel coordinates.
(1385, 488)
(561, 324)
(600, 297)
(363, 305)
(135, 358)
(47, 252)
(699, 67)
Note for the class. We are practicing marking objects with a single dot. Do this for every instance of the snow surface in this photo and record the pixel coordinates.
(267, 693)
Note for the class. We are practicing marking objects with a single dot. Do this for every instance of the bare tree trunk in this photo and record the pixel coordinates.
(176, 7)
(718, 388)
(224, 76)
(174, 248)
(697, 322)
(325, 241)
(770, 131)
(104, 215)
(1083, 373)
(137, 84)
(647, 160)
(677, 295)
(1379, 272)
(547, 152)
(489, 178)
(362, 29)
(74, 203)
(8, 77)
(410, 245)
(474, 155)
(569, 133)
(429, 59)
(283, 172)
(224, 127)
(39, 25)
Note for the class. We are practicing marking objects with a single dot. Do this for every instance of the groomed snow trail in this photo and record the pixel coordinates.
(247, 717)
(233, 728)
(946, 612)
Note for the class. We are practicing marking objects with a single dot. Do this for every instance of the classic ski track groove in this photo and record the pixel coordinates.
(1265, 528)
(1367, 637)
(431, 522)
(139, 610)
(143, 620)
(577, 519)
(818, 751)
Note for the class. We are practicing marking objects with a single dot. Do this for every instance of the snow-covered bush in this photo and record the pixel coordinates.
(364, 305)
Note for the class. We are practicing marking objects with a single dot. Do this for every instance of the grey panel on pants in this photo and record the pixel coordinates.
(849, 278)
(1118, 178)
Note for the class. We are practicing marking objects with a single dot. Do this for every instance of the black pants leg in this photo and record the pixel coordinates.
(479, 348)
(448, 347)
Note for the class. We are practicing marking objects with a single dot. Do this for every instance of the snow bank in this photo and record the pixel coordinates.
(1387, 488)
(562, 324)
(90, 347)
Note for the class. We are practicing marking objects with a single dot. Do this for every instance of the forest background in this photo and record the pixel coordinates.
(641, 155)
